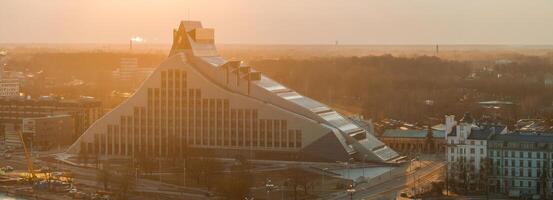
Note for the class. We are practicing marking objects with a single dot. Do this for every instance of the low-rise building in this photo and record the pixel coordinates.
(548, 80)
(10, 137)
(9, 83)
(129, 72)
(520, 165)
(414, 141)
(9, 87)
(50, 131)
(84, 111)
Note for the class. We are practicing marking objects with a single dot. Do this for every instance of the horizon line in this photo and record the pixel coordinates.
(284, 44)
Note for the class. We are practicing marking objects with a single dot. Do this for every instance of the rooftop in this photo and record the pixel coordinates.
(485, 131)
(412, 133)
(519, 137)
(56, 102)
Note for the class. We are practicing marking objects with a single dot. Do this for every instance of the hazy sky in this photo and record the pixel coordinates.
(281, 21)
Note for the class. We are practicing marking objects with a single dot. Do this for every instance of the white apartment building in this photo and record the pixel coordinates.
(466, 146)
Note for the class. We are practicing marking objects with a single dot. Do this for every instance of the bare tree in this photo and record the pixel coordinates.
(237, 184)
(126, 182)
(83, 157)
(429, 140)
(299, 179)
(485, 170)
(211, 167)
(103, 175)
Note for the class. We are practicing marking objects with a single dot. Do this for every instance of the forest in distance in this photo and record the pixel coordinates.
(395, 87)
(392, 83)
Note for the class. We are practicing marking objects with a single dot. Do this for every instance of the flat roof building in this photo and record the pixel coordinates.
(84, 111)
(50, 131)
(414, 141)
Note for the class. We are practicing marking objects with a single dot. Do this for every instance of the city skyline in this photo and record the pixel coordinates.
(284, 22)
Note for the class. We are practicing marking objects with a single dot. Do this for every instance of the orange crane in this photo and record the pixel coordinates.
(28, 158)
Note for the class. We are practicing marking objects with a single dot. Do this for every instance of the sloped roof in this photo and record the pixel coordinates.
(485, 132)
(517, 137)
(453, 131)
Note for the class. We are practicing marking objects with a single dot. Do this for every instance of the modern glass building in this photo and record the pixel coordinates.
(198, 100)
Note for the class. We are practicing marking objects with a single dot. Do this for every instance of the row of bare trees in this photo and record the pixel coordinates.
(397, 87)
(119, 180)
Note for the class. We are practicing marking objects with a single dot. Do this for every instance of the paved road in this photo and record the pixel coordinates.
(388, 188)
(391, 188)
(88, 176)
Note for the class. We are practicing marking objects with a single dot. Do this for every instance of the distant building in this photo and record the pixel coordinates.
(129, 71)
(9, 83)
(466, 148)
(9, 87)
(84, 111)
(494, 111)
(11, 138)
(50, 131)
(521, 165)
(414, 141)
(532, 126)
(406, 141)
(548, 80)
(503, 62)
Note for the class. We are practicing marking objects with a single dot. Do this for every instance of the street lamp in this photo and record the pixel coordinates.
(348, 166)
(284, 185)
(414, 185)
(269, 186)
(350, 191)
(446, 177)
(323, 183)
(364, 158)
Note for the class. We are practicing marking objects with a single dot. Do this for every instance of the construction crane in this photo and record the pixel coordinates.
(28, 158)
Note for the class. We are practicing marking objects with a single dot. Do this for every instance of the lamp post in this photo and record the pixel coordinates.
(364, 158)
(348, 166)
(284, 188)
(184, 172)
(269, 186)
(350, 191)
(323, 183)
(446, 177)
(136, 173)
(414, 176)
(414, 185)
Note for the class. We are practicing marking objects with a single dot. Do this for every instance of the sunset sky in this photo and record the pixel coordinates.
(281, 21)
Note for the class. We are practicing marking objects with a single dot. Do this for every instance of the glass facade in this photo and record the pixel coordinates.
(176, 116)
